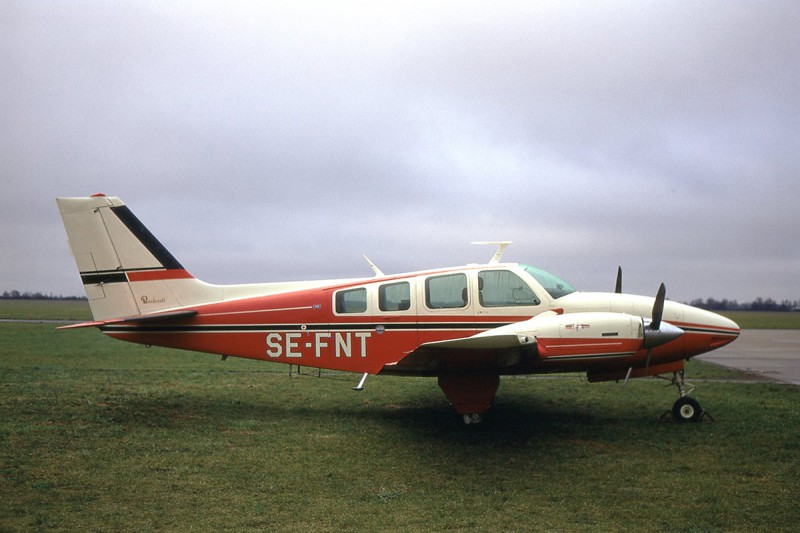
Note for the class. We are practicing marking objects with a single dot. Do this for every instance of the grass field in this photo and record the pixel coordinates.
(45, 309)
(764, 319)
(96, 434)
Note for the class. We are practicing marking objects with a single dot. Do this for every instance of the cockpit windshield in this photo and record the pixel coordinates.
(554, 285)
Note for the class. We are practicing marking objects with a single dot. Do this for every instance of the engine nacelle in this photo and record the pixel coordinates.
(572, 336)
(583, 336)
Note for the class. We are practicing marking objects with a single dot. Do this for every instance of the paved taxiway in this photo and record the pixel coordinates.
(772, 353)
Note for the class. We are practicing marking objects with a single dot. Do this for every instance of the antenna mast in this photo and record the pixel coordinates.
(501, 247)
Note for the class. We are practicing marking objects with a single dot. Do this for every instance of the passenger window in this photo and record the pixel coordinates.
(351, 301)
(446, 292)
(503, 288)
(394, 297)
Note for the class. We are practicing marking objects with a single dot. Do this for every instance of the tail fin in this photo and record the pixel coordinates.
(126, 271)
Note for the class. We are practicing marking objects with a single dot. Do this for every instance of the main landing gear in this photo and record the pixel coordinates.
(471, 394)
(472, 418)
(685, 408)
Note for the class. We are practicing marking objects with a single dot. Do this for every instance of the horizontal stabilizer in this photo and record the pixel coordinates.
(156, 317)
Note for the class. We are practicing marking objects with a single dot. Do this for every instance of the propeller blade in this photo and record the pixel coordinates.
(618, 286)
(658, 308)
(655, 332)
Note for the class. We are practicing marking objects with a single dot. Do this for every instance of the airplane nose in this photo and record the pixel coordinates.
(727, 331)
(734, 329)
(728, 323)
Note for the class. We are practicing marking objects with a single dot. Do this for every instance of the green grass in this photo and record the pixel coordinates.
(45, 309)
(96, 434)
(764, 319)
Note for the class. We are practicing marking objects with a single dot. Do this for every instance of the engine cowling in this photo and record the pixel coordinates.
(581, 336)
(576, 336)
(591, 335)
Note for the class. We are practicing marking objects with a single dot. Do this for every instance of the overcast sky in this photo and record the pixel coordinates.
(271, 141)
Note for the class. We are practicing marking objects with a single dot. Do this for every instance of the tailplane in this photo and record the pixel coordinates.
(126, 271)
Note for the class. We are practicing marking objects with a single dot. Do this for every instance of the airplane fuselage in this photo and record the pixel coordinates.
(369, 325)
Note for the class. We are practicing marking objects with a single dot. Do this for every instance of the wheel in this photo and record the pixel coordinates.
(472, 418)
(687, 409)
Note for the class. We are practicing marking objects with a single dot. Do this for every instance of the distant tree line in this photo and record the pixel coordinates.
(759, 304)
(27, 295)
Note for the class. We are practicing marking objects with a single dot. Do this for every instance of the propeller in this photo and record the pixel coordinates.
(657, 332)
(618, 286)
(658, 307)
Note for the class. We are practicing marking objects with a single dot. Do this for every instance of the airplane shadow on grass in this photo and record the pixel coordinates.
(426, 416)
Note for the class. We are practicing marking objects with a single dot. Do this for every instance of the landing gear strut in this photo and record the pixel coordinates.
(686, 408)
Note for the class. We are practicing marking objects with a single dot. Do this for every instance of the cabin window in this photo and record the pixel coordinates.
(446, 292)
(503, 288)
(394, 296)
(351, 301)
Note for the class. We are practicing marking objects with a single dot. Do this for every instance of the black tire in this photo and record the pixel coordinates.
(687, 409)
(472, 419)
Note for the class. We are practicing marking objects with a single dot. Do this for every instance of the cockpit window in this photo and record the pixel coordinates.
(554, 285)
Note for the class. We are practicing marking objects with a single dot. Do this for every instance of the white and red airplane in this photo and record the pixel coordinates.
(466, 325)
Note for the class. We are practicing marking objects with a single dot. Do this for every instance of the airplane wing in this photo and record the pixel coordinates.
(467, 353)
(551, 335)
(495, 348)
(155, 317)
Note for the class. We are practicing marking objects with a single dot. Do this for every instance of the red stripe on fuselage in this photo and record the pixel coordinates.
(587, 347)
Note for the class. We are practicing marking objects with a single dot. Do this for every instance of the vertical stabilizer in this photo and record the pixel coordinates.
(125, 270)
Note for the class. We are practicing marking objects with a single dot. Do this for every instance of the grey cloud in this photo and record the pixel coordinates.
(270, 141)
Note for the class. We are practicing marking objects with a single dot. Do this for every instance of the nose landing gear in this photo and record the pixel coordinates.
(685, 408)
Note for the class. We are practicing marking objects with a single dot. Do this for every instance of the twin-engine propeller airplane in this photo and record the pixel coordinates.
(466, 325)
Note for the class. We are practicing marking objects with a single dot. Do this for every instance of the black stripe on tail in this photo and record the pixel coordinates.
(146, 238)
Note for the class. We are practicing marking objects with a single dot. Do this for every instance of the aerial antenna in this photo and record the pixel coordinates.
(360, 386)
(501, 247)
(374, 268)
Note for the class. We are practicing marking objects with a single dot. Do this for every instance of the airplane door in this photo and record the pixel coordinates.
(395, 317)
(446, 307)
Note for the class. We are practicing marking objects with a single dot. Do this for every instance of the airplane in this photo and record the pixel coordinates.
(466, 325)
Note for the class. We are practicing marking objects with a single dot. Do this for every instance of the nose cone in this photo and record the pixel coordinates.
(726, 323)
(719, 329)
(730, 331)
